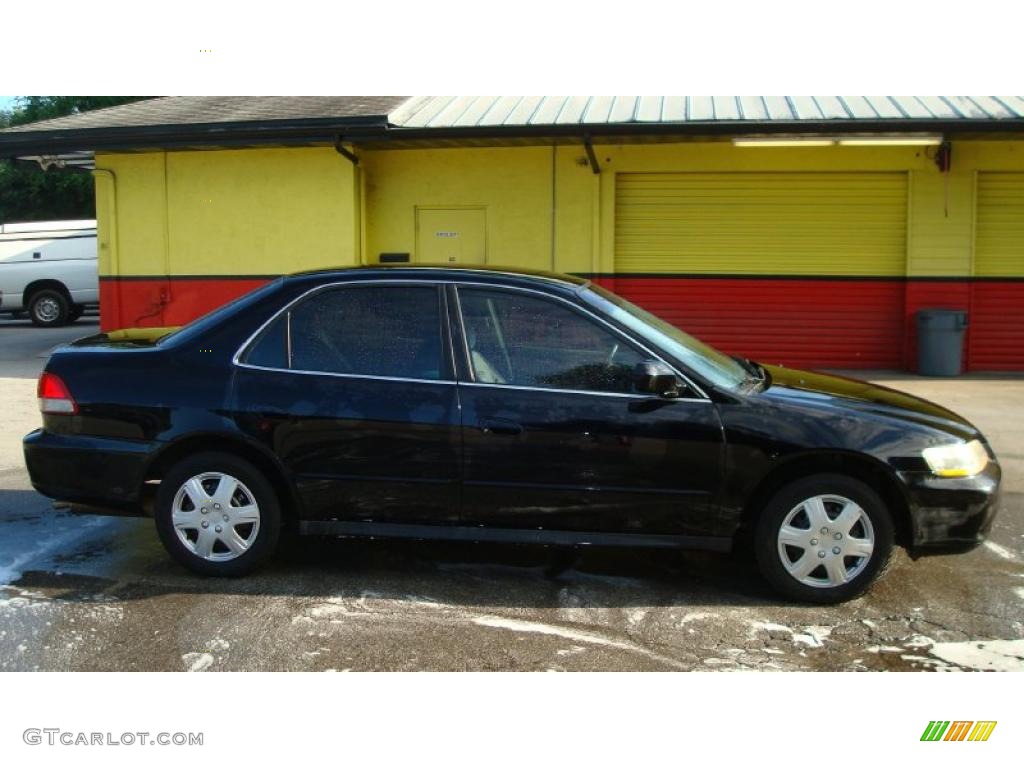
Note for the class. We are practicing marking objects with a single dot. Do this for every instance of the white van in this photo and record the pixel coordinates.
(48, 269)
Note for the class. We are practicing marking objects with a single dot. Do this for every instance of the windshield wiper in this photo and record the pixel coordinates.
(756, 371)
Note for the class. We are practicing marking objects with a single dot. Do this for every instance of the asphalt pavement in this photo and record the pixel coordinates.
(93, 593)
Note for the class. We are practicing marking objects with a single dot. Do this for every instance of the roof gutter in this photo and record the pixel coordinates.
(704, 128)
(594, 131)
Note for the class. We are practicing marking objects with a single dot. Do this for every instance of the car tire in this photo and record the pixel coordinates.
(49, 308)
(215, 529)
(839, 524)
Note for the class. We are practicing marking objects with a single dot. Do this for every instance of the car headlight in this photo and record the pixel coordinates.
(957, 459)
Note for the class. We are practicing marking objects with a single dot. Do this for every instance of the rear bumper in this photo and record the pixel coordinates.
(951, 514)
(98, 472)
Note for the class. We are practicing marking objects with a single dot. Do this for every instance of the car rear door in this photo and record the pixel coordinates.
(353, 389)
(554, 437)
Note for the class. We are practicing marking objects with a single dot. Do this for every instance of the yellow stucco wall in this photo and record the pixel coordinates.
(251, 212)
(272, 211)
(512, 185)
(516, 185)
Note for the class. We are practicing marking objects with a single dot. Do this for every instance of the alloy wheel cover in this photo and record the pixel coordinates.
(825, 541)
(215, 516)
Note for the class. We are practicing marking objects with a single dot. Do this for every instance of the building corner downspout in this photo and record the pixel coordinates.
(358, 200)
(107, 239)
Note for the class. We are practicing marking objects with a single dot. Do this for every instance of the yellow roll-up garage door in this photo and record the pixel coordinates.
(804, 269)
(996, 336)
(761, 223)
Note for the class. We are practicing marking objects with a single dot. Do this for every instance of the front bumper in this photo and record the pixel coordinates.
(951, 514)
(103, 473)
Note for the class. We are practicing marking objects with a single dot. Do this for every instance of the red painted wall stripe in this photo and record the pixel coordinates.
(797, 322)
(151, 303)
(996, 334)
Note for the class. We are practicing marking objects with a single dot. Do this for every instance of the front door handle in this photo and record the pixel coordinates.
(501, 427)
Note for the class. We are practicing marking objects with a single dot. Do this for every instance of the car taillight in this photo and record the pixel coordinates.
(54, 396)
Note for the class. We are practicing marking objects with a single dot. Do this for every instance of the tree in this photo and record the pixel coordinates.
(27, 193)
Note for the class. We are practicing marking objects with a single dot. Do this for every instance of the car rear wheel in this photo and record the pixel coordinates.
(217, 515)
(49, 308)
(824, 539)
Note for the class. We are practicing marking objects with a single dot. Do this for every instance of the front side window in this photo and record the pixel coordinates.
(715, 366)
(378, 330)
(521, 340)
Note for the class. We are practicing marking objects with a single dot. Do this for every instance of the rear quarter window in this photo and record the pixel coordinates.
(270, 349)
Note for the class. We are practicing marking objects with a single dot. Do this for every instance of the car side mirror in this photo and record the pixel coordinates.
(655, 378)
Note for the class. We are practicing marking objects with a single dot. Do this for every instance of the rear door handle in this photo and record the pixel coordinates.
(501, 427)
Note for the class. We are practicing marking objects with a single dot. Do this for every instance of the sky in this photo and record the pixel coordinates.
(6, 102)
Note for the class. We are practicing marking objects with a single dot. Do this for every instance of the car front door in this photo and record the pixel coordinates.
(556, 437)
(353, 389)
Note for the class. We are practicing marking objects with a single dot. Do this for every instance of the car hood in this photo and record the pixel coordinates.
(810, 388)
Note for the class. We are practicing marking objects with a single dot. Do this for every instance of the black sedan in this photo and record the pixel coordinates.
(497, 405)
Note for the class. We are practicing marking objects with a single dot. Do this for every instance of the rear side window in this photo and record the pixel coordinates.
(392, 331)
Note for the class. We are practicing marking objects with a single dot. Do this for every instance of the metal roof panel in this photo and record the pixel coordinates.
(477, 108)
(884, 106)
(408, 108)
(778, 108)
(623, 109)
(701, 108)
(995, 108)
(1013, 103)
(524, 110)
(598, 109)
(806, 107)
(673, 109)
(453, 111)
(548, 110)
(939, 107)
(859, 107)
(966, 108)
(573, 110)
(909, 106)
(753, 108)
(499, 111)
(726, 107)
(648, 109)
(832, 108)
(428, 111)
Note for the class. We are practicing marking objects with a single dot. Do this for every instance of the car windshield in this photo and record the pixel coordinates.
(706, 361)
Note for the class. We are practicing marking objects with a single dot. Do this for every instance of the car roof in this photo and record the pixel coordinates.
(478, 273)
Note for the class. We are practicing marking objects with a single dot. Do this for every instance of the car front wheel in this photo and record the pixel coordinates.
(217, 515)
(824, 539)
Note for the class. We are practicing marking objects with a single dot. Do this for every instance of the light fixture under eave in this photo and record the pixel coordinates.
(891, 141)
(781, 142)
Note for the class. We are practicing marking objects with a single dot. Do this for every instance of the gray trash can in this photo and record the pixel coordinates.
(940, 341)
